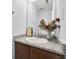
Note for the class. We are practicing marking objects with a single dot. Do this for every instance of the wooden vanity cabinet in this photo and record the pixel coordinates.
(42, 54)
(22, 51)
(27, 52)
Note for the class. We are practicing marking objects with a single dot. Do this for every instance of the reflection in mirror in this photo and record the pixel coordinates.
(40, 10)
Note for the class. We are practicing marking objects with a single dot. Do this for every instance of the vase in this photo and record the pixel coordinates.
(49, 37)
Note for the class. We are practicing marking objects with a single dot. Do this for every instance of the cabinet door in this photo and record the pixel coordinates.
(41, 54)
(21, 51)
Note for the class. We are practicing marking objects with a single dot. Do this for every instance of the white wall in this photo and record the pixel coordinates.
(46, 14)
(61, 13)
(33, 17)
(19, 17)
(63, 22)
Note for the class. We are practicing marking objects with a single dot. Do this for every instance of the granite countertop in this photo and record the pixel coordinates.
(52, 46)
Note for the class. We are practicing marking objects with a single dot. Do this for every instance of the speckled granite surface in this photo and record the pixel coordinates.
(52, 46)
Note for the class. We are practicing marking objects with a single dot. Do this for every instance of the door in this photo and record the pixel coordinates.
(41, 54)
(21, 51)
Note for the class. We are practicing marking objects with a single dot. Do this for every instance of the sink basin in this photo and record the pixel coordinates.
(36, 40)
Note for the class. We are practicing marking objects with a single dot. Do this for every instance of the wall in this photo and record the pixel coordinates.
(19, 17)
(33, 17)
(63, 22)
(46, 14)
(61, 13)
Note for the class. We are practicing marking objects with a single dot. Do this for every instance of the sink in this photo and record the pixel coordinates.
(36, 40)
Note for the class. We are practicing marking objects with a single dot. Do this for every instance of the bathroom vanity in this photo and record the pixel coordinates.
(28, 50)
(38, 18)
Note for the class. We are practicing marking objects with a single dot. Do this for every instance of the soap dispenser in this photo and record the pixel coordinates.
(29, 31)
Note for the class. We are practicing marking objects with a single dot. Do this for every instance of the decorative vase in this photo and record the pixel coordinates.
(49, 37)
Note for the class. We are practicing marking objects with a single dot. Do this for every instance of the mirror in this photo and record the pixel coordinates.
(38, 10)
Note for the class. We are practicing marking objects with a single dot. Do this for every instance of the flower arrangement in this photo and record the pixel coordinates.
(51, 26)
